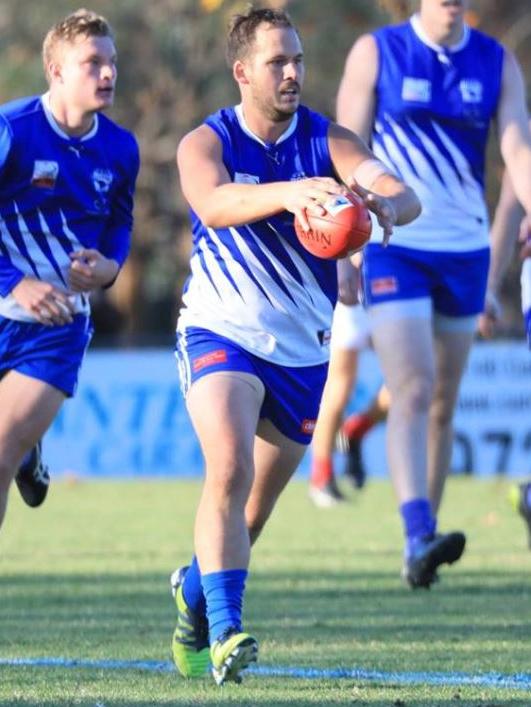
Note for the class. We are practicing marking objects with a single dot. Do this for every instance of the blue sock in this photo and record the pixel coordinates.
(224, 598)
(193, 590)
(419, 521)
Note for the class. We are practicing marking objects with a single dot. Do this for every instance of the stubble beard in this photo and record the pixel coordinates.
(273, 112)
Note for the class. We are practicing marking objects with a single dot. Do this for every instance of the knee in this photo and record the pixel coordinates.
(231, 476)
(441, 413)
(415, 395)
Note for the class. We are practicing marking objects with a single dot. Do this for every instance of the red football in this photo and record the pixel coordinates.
(343, 229)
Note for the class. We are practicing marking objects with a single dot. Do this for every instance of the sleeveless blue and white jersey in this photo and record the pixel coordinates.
(59, 194)
(256, 284)
(434, 106)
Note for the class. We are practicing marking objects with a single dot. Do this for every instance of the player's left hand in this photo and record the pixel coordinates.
(91, 270)
(381, 206)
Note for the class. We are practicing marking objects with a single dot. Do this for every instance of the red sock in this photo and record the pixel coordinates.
(321, 472)
(356, 426)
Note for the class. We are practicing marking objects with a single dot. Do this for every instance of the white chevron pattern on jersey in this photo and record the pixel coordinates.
(265, 317)
(46, 268)
(454, 216)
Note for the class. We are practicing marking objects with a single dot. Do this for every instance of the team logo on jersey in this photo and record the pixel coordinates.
(102, 180)
(296, 176)
(243, 178)
(416, 90)
(471, 90)
(45, 174)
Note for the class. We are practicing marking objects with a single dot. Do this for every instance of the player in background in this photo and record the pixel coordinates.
(350, 336)
(253, 334)
(67, 176)
(424, 93)
(508, 224)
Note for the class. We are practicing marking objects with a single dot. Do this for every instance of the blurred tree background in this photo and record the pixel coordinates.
(172, 73)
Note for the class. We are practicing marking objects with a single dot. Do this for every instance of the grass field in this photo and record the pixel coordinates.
(86, 578)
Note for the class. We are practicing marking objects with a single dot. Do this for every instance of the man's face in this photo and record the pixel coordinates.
(274, 70)
(85, 71)
(446, 13)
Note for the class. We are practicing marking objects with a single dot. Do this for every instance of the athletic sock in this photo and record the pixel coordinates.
(418, 519)
(224, 599)
(193, 590)
(322, 472)
(356, 426)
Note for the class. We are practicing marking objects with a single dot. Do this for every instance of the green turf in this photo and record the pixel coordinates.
(86, 577)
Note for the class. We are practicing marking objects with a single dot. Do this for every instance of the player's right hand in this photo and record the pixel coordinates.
(303, 195)
(46, 303)
(491, 315)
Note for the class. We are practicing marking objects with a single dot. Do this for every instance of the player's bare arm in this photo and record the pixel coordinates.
(392, 201)
(48, 304)
(91, 270)
(355, 99)
(219, 202)
(514, 132)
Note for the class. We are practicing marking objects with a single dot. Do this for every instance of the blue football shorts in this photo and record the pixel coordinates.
(52, 354)
(292, 394)
(455, 282)
(527, 319)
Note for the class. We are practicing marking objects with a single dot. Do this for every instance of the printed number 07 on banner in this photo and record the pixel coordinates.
(492, 451)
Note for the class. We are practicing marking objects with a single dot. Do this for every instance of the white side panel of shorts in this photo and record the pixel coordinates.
(381, 314)
(183, 363)
(525, 280)
(350, 327)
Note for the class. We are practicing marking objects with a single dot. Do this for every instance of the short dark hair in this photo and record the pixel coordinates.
(242, 30)
(79, 23)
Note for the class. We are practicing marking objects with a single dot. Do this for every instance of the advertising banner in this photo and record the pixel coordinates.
(128, 417)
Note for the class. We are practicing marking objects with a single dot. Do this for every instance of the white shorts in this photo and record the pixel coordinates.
(350, 327)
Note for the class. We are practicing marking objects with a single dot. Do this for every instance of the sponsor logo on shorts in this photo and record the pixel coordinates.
(384, 285)
(209, 359)
(308, 426)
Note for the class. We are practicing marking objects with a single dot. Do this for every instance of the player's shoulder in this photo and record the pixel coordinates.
(392, 32)
(226, 126)
(120, 138)
(21, 109)
(481, 42)
(222, 120)
(312, 121)
(203, 139)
